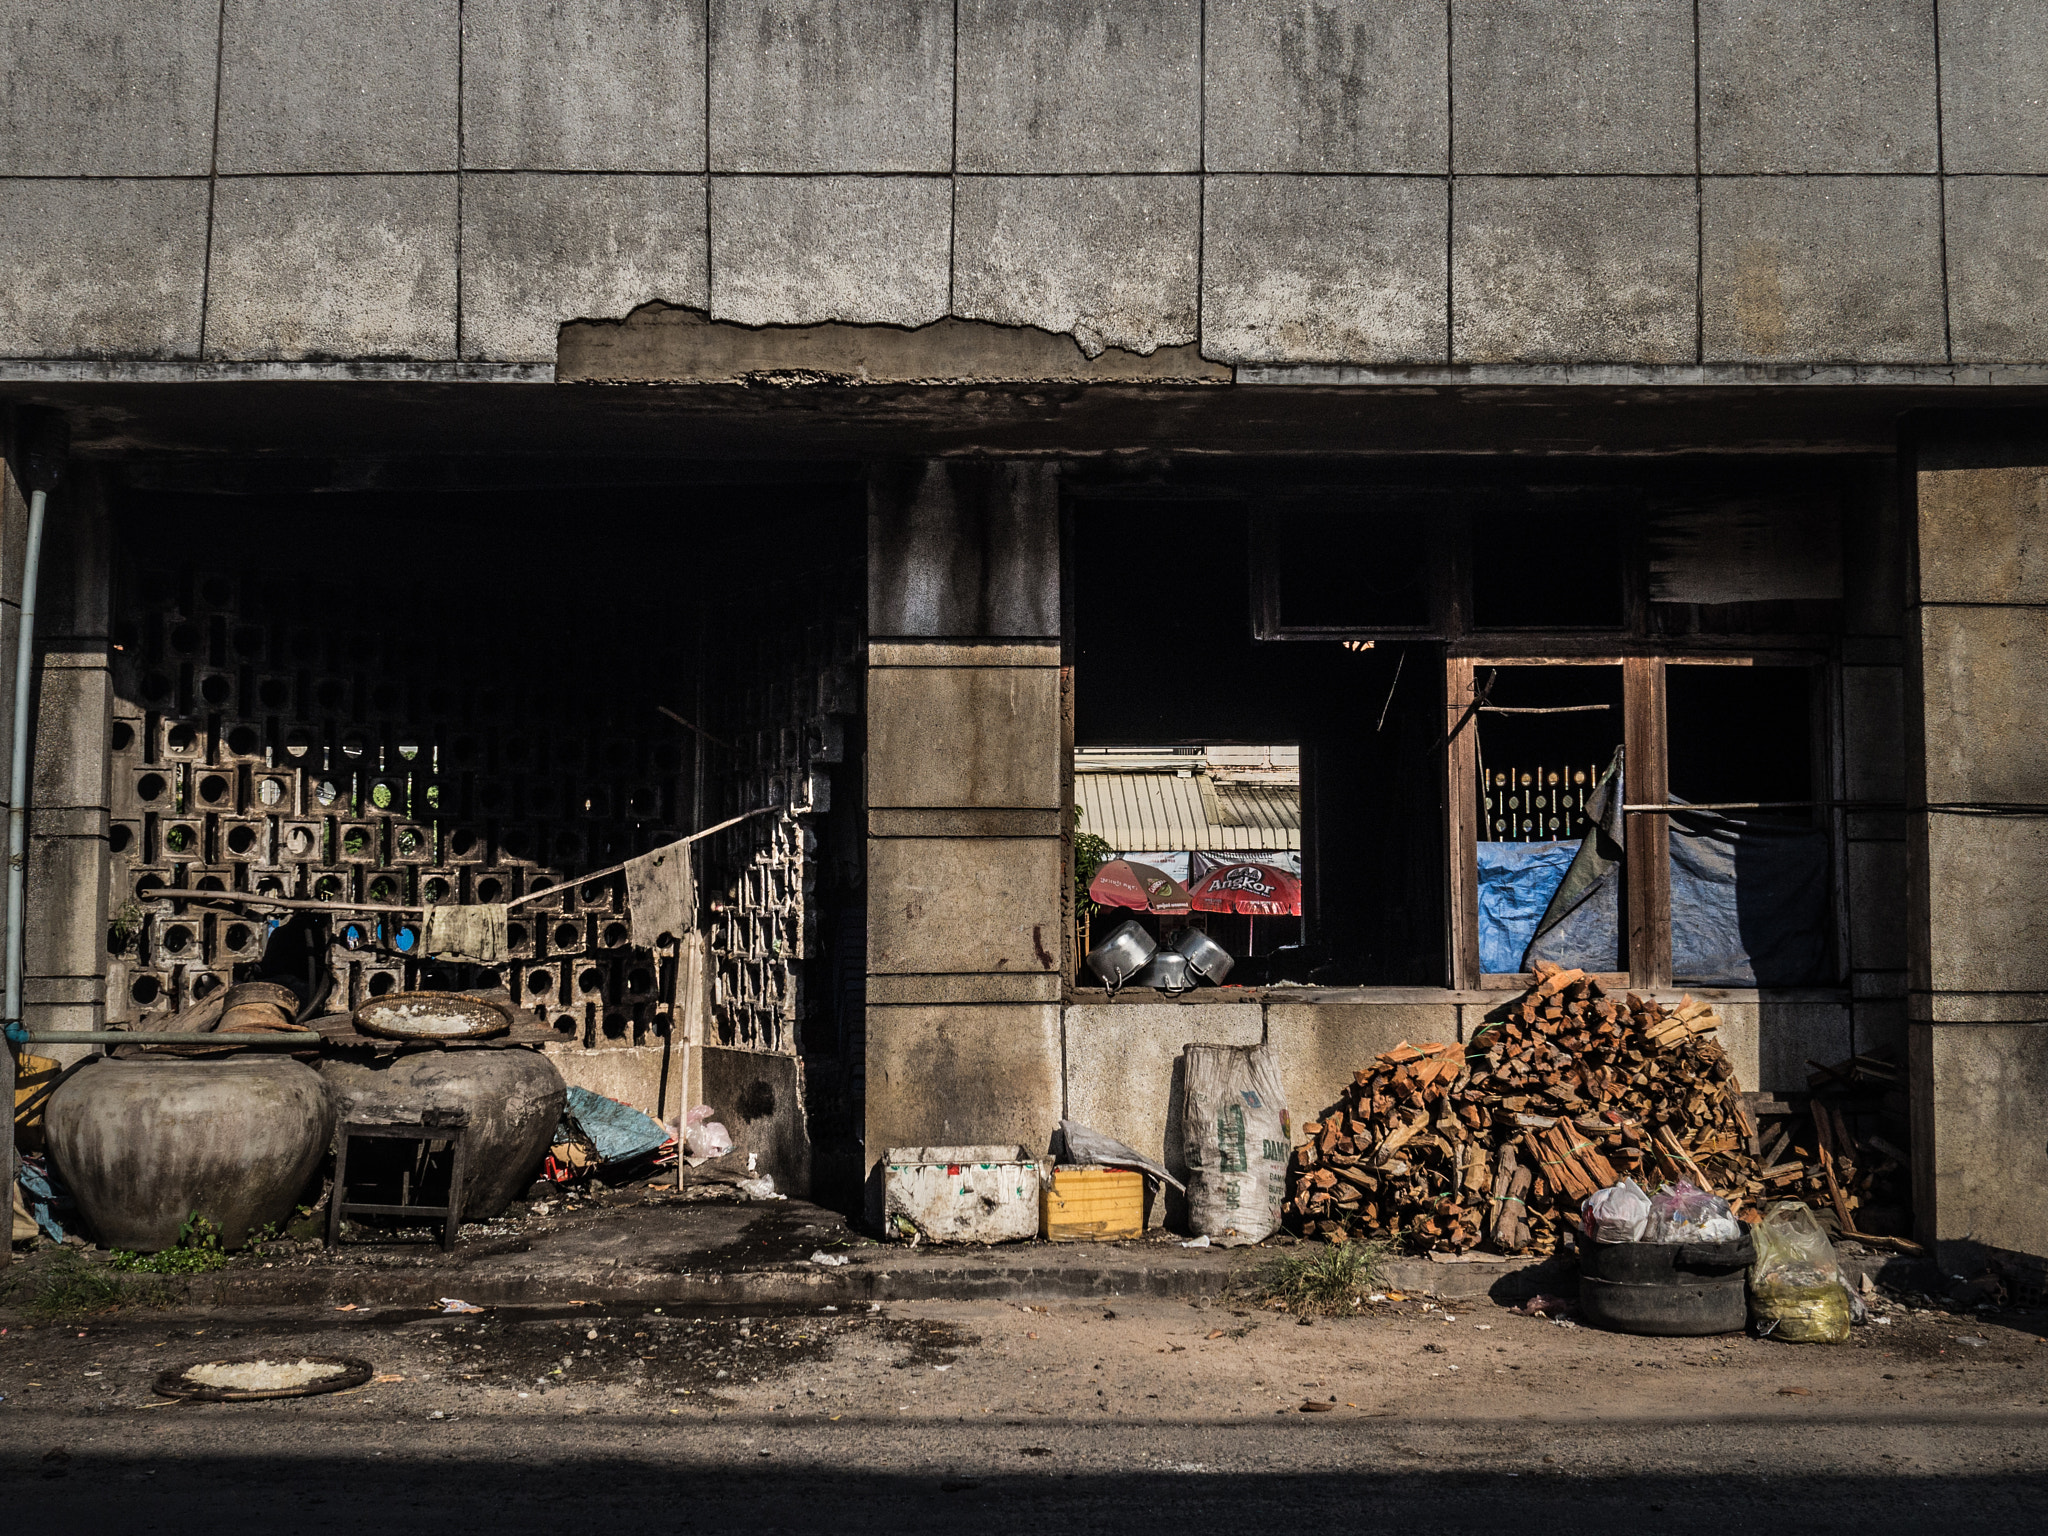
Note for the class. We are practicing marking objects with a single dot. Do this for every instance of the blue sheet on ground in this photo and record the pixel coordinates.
(1516, 882)
(618, 1132)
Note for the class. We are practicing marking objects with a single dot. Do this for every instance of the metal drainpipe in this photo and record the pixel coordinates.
(45, 466)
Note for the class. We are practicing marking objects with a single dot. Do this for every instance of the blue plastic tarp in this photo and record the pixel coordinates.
(619, 1132)
(1516, 882)
(1749, 902)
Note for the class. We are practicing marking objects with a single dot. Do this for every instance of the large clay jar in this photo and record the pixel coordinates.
(146, 1144)
(513, 1099)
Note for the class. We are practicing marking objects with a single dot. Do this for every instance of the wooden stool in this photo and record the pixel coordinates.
(435, 1125)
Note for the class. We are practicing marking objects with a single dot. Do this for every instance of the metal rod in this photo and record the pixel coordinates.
(17, 795)
(1560, 709)
(266, 1039)
(290, 903)
(692, 726)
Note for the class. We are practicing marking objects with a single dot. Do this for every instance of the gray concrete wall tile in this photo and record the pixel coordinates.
(1984, 534)
(1817, 85)
(1994, 85)
(1588, 269)
(1325, 269)
(1080, 86)
(540, 250)
(1984, 678)
(102, 268)
(964, 1075)
(1987, 903)
(108, 88)
(1593, 85)
(963, 905)
(963, 547)
(586, 85)
(1979, 1089)
(819, 85)
(333, 266)
(1877, 906)
(1822, 269)
(1874, 732)
(1327, 85)
(1110, 260)
(1003, 724)
(338, 85)
(798, 250)
(1998, 268)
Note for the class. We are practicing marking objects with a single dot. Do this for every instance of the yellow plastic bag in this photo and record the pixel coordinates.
(1795, 1287)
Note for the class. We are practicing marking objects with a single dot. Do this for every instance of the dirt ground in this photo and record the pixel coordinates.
(1122, 1415)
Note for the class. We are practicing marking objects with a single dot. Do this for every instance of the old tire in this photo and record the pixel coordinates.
(145, 1144)
(1684, 1308)
(513, 1099)
(1664, 1263)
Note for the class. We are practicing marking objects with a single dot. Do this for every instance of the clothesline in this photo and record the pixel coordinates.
(300, 904)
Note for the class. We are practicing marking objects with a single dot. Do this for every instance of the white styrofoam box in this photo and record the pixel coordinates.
(961, 1194)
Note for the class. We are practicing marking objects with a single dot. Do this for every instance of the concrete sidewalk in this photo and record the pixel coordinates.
(647, 1248)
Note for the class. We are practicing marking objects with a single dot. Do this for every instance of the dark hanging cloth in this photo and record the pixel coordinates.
(1582, 925)
(1749, 898)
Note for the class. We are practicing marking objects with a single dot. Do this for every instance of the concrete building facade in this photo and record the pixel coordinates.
(915, 390)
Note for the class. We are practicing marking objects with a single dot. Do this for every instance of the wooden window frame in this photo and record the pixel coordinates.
(1646, 892)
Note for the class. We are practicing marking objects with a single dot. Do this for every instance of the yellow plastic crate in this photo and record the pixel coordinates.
(1092, 1205)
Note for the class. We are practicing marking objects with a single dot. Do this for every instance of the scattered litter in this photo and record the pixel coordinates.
(829, 1260)
(351, 1307)
(1310, 1405)
(942, 1367)
(1795, 1391)
(1542, 1306)
(1377, 1296)
(762, 1188)
(1971, 1339)
(1484, 1327)
(456, 1304)
(1216, 1333)
(1199, 1242)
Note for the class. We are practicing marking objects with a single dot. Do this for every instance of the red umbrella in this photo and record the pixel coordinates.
(1121, 883)
(1254, 890)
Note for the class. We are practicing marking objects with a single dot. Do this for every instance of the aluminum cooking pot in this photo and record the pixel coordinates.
(1168, 971)
(1122, 955)
(1206, 958)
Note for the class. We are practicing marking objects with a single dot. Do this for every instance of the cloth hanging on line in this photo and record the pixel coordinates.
(475, 933)
(660, 895)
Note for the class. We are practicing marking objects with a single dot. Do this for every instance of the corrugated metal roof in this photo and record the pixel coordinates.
(1162, 812)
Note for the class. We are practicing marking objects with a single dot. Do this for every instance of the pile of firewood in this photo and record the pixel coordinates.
(1564, 1091)
(1837, 1156)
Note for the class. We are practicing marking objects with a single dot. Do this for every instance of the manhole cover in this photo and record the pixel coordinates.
(243, 1381)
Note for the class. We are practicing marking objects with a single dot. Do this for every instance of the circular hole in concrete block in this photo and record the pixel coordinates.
(461, 840)
(184, 638)
(355, 842)
(568, 847)
(462, 751)
(352, 935)
(326, 792)
(383, 982)
(179, 738)
(434, 890)
(145, 990)
(270, 791)
(645, 801)
(590, 982)
(411, 842)
(179, 839)
(273, 693)
(408, 748)
(329, 694)
(515, 934)
(354, 744)
(177, 939)
(119, 837)
(146, 884)
(241, 839)
(383, 889)
(615, 934)
(213, 788)
(640, 979)
(203, 986)
(216, 690)
(248, 642)
(297, 743)
(237, 936)
(151, 786)
(517, 843)
(492, 797)
(243, 740)
(488, 891)
(155, 687)
(615, 1026)
(567, 936)
(210, 883)
(299, 842)
(386, 696)
(382, 794)
(406, 939)
(327, 888)
(566, 1025)
(122, 736)
(270, 885)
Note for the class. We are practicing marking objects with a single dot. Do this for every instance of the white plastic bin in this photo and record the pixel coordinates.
(960, 1194)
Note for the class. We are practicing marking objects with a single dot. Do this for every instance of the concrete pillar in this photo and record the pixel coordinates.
(13, 527)
(1977, 980)
(966, 859)
(64, 950)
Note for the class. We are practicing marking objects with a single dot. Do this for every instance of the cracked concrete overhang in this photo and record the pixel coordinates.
(664, 344)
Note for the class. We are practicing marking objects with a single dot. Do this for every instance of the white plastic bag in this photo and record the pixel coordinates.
(1235, 1136)
(703, 1136)
(1616, 1214)
(1685, 1214)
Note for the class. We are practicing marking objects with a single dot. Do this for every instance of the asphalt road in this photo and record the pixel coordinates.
(992, 1417)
